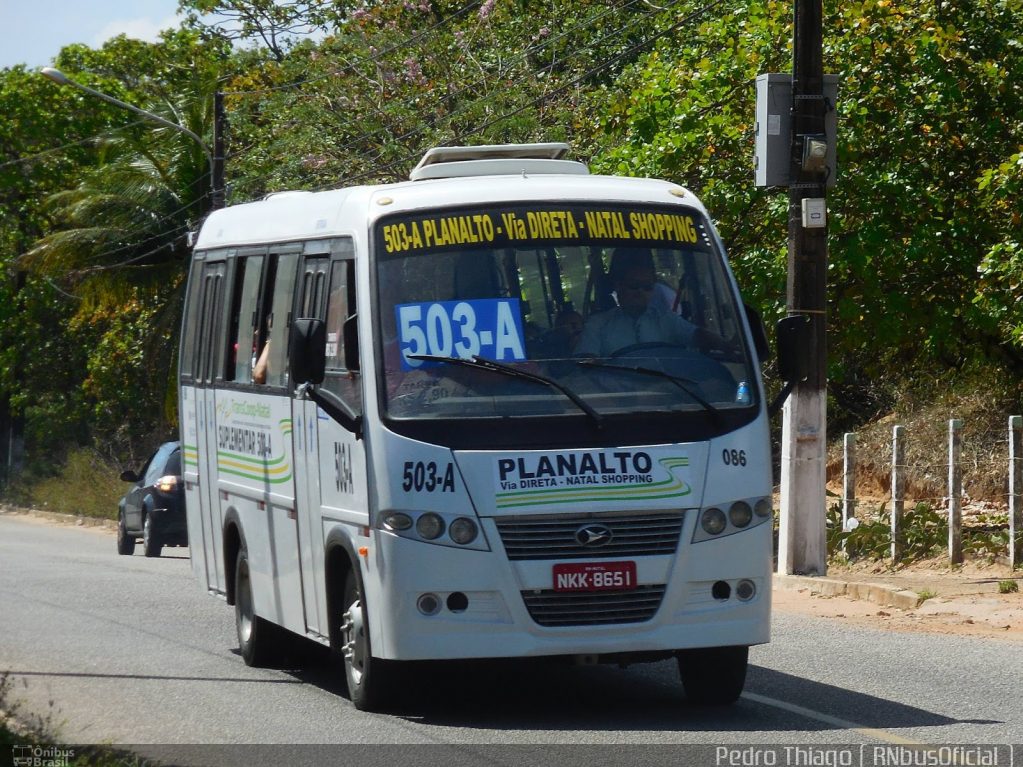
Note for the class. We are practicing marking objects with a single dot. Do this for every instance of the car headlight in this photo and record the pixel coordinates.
(167, 484)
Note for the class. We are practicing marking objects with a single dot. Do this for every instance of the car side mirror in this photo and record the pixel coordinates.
(307, 350)
(129, 476)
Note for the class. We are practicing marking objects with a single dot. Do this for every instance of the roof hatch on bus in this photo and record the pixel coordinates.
(497, 160)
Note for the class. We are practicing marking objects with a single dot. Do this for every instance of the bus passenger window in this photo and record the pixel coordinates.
(341, 308)
(243, 346)
(278, 319)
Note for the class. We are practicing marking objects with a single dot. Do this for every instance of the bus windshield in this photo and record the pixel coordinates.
(552, 309)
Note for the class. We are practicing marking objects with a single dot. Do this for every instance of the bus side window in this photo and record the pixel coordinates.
(277, 322)
(192, 302)
(242, 346)
(341, 307)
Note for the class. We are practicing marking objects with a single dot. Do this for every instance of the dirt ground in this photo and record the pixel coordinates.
(965, 600)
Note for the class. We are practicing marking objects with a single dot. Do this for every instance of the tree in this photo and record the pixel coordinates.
(117, 238)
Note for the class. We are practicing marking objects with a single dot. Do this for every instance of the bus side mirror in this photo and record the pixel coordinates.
(307, 351)
(350, 342)
(759, 331)
(793, 340)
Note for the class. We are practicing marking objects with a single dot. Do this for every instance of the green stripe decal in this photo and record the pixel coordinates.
(671, 487)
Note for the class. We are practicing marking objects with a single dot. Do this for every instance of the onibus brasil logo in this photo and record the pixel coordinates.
(580, 477)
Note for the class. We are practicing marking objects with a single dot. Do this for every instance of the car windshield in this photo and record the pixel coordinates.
(627, 308)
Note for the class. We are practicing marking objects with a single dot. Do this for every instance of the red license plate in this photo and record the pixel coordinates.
(595, 576)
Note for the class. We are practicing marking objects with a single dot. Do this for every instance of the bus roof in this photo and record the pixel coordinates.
(295, 216)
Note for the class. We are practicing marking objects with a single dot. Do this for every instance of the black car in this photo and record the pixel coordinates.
(154, 508)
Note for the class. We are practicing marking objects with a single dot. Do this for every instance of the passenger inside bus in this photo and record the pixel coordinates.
(262, 365)
(637, 318)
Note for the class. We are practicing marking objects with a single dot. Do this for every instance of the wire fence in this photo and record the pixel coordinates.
(910, 482)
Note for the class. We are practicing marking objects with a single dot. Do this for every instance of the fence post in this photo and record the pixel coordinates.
(955, 492)
(848, 480)
(898, 489)
(1015, 491)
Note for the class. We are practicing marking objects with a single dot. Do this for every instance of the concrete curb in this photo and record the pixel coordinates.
(878, 593)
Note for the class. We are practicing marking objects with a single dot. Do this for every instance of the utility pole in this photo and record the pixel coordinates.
(802, 545)
(217, 195)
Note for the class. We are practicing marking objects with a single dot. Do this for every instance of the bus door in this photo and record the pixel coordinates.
(311, 303)
(330, 459)
(210, 320)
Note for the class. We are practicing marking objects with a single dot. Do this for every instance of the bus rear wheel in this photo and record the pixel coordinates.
(713, 676)
(369, 679)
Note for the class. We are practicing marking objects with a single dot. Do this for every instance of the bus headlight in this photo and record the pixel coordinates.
(763, 507)
(463, 530)
(713, 521)
(740, 514)
(396, 520)
(430, 526)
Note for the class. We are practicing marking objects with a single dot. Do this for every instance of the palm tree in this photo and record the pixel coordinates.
(120, 245)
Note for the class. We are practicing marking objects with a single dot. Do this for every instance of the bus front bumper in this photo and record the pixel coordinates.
(488, 607)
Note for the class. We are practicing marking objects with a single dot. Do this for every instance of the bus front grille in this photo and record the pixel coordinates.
(599, 608)
(558, 536)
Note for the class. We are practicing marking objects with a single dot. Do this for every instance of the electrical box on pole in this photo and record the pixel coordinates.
(772, 160)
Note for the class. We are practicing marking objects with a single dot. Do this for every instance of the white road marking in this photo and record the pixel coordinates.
(845, 724)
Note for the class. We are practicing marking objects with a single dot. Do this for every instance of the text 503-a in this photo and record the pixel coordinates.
(427, 477)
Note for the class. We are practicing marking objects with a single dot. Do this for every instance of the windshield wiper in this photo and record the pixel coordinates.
(479, 363)
(682, 383)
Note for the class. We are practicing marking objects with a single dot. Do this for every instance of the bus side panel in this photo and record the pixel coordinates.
(255, 479)
(340, 492)
(190, 472)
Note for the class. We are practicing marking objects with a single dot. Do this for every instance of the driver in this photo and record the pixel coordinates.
(636, 319)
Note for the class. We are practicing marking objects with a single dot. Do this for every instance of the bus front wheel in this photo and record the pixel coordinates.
(258, 639)
(368, 678)
(713, 676)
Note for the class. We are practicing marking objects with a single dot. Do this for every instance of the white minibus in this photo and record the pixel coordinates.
(504, 409)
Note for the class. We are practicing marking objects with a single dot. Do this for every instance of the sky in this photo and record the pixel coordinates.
(33, 32)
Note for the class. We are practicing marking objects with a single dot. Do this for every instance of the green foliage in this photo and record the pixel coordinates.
(1008, 587)
(926, 247)
(924, 532)
(87, 484)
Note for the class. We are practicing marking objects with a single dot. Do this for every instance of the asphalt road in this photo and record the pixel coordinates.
(132, 651)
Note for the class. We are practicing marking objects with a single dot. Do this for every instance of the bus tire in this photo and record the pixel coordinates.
(125, 542)
(151, 545)
(257, 638)
(713, 676)
(369, 679)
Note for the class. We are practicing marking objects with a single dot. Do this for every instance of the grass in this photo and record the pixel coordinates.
(87, 485)
(1008, 587)
(926, 594)
(22, 728)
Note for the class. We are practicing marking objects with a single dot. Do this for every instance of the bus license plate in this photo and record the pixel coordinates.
(595, 576)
